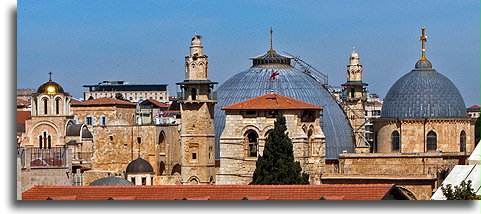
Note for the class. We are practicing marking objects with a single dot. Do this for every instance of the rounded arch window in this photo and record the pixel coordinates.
(252, 142)
(161, 167)
(45, 105)
(57, 106)
(395, 141)
(162, 142)
(462, 141)
(432, 141)
(193, 181)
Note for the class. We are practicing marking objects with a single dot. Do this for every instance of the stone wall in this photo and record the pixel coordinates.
(236, 165)
(116, 146)
(413, 131)
(421, 173)
(111, 112)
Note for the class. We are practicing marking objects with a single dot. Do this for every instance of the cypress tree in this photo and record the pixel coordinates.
(277, 166)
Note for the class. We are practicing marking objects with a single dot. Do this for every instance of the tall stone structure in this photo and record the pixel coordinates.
(50, 116)
(197, 100)
(354, 100)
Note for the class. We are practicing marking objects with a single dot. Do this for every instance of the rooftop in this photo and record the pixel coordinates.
(217, 192)
(269, 102)
(103, 101)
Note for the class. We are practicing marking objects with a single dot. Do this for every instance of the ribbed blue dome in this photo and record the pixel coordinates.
(423, 93)
(290, 82)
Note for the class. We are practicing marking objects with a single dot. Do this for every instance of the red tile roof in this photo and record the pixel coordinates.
(472, 107)
(270, 101)
(22, 102)
(74, 101)
(22, 116)
(104, 101)
(214, 192)
(156, 103)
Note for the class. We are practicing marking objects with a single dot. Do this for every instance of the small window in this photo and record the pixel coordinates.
(273, 113)
(395, 141)
(250, 112)
(462, 141)
(194, 156)
(88, 120)
(45, 106)
(252, 143)
(57, 106)
(194, 94)
(432, 141)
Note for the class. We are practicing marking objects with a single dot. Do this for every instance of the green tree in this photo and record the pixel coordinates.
(276, 165)
(461, 192)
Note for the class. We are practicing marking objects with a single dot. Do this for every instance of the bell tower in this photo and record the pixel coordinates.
(197, 99)
(354, 96)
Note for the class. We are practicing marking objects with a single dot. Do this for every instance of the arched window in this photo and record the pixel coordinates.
(57, 106)
(432, 141)
(49, 142)
(120, 116)
(162, 142)
(40, 141)
(395, 144)
(45, 106)
(161, 167)
(103, 120)
(88, 120)
(251, 138)
(176, 169)
(194, 93)
(462, 141)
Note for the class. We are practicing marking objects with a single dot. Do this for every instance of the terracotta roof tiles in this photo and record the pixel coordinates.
(213, 192)
(27, 103)
(269, 102)
(104, 101)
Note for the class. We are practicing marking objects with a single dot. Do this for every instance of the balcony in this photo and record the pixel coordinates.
(36, 157)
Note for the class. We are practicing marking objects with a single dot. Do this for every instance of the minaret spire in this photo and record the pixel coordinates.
(423, 38)
(271, 51)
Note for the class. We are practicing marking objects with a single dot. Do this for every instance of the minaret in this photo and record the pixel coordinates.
(197, 100)
(354, 98)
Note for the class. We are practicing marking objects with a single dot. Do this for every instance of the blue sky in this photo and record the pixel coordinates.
(88, 41)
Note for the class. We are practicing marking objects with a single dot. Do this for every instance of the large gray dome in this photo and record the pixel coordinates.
(423, 93)
(290, 82)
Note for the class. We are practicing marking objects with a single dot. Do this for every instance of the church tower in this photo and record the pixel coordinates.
(50, 115)
(197, 99)
(354, 98)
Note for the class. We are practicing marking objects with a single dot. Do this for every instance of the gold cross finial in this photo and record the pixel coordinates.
(50, 76)
(271, 51)
(423, 38)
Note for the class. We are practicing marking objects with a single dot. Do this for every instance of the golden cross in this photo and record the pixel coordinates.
(423, 38)
(271, 50)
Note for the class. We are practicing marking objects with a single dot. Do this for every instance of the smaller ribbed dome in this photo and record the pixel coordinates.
(139, 166)
(111, 181)
(50, 87)
(423, 65)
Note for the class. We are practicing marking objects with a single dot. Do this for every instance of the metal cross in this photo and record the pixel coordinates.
(50, 78)
(423, 38)
(271, 50)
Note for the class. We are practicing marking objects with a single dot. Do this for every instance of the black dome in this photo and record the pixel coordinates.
(50, 85)
(111, 181)
(423, 93)
(138, 166)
